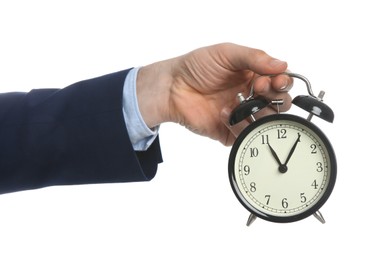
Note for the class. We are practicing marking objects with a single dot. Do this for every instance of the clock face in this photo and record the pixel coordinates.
(282, 168)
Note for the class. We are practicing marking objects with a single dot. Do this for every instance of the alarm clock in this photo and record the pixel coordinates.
(282, 167)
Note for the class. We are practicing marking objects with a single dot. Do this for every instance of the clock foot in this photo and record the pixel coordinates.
(319, 216)
(251, 219)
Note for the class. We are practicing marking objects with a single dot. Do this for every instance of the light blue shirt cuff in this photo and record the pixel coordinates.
(141, 136)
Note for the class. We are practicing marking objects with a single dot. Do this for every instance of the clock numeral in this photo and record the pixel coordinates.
(314, 184)
(313, 148)
(319, 167)
(247, 169)
(267, 197)
(282, 133)
(254, 152)
(252, 187)
(284, 203)
(303, 197)
(264, 139)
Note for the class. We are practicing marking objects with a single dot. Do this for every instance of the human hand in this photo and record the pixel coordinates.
(199, 89)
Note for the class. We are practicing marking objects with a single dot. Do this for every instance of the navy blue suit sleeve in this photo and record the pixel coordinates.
(74, 135)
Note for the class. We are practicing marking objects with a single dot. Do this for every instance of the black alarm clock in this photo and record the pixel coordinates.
(282, 167)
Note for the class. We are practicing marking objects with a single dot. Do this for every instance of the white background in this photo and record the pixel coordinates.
(189, 211)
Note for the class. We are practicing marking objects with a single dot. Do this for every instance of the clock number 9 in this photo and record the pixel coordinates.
(247, 169)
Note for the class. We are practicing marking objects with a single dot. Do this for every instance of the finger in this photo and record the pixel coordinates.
(280, 96)
(269, 87)
(245, 58)
(262, 85)
(282, 82)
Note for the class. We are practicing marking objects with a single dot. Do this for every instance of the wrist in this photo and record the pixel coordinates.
(153, 87)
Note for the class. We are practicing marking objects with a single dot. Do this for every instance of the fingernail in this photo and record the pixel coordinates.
(276, 63)
(284, 86)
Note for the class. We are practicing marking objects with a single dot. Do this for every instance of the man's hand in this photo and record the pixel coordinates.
(199, 89)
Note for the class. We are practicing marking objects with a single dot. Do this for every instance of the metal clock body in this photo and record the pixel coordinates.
(282, 167)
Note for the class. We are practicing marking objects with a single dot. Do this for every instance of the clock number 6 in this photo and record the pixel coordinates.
(284, 203)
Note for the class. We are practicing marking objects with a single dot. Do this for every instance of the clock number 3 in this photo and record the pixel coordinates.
(319, 167)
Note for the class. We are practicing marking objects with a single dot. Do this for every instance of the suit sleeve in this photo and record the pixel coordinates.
(75, 135)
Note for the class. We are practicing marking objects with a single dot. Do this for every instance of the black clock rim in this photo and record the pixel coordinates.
(328, 190)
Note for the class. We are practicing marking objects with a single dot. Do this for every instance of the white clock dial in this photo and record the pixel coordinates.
(282, 168)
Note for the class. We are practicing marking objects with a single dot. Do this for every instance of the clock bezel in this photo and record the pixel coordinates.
(332, 168)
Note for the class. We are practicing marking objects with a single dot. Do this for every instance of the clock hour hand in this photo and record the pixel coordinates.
(292, 149)
(282, 167)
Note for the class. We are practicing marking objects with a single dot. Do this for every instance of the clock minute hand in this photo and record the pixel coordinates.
(292, 149)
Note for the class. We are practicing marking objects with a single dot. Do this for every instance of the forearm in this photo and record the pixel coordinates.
(75, 135)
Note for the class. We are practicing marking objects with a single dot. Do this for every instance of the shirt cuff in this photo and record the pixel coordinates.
(141, 136)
